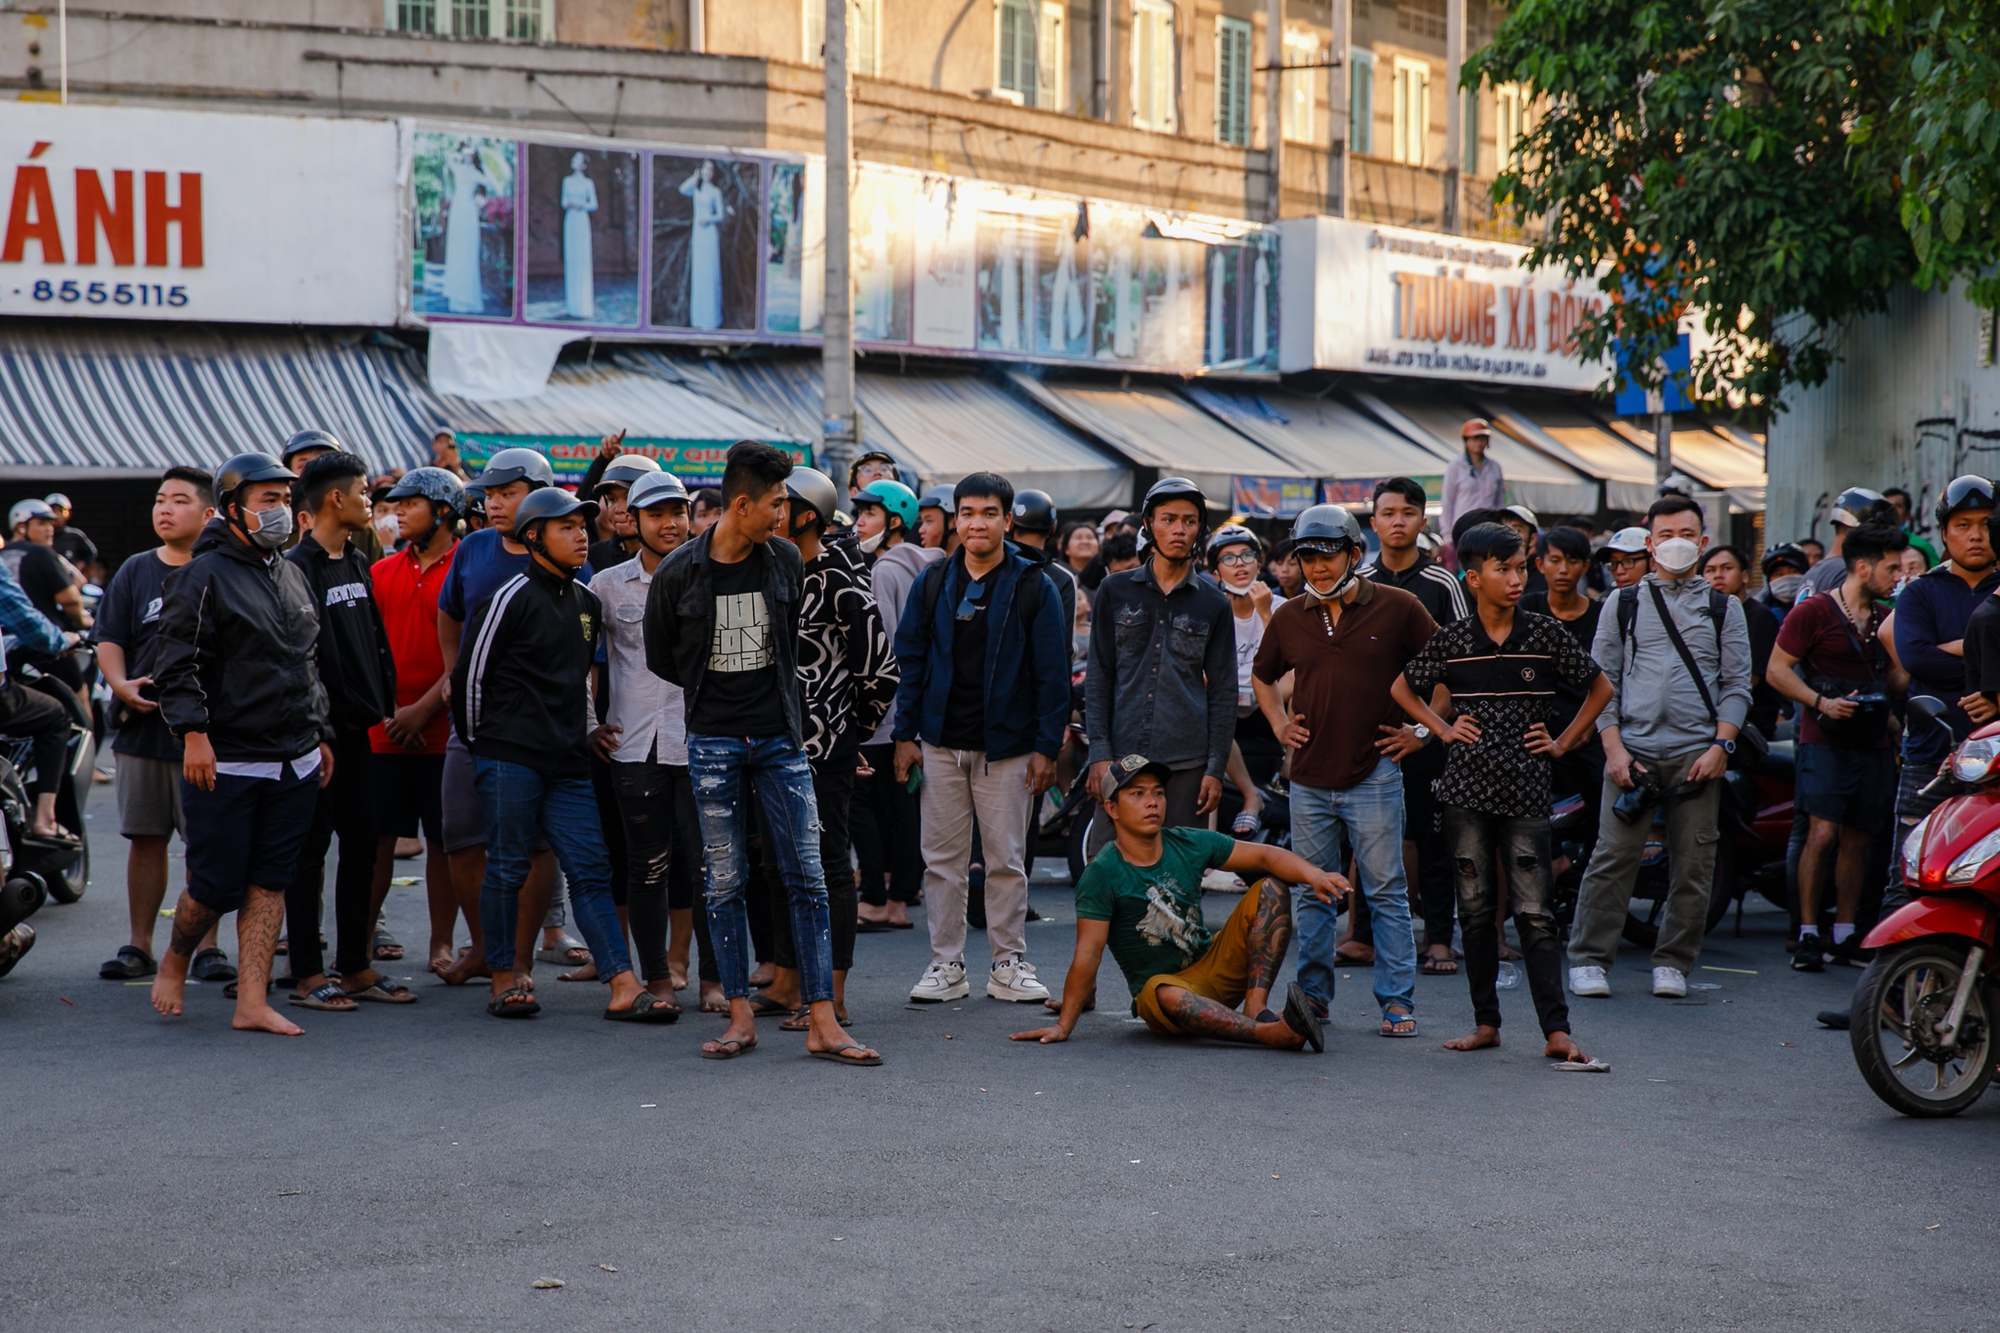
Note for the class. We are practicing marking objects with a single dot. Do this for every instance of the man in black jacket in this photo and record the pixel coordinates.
(239, 686)
(520, 698)
(359, 673)
(722, 622)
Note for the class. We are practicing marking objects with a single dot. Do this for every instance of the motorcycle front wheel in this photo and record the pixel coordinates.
(1905, 993)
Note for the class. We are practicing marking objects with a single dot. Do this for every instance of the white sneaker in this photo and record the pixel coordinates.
(1669, 982)
(1588, 981)
(941, 982)
(1014, 979)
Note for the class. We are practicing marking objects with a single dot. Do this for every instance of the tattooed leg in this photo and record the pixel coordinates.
(1199, 1017)
(257, 926)
(1270, 937)
(192, 921)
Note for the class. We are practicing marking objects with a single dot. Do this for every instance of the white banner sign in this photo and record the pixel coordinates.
(1390, 301)
(186, 215)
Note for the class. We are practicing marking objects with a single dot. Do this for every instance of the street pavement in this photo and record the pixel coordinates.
(421, 1167)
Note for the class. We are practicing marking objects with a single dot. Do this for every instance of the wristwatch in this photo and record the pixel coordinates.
(1728, 746)
(1422, 733)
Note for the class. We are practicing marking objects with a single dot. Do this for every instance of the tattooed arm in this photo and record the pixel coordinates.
(1287, 866)
(1091, 937)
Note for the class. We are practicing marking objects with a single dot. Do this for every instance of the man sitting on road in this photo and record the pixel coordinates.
(1142, 896)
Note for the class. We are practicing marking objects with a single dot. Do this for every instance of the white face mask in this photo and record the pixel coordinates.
(1676, 555)
(870, 544)
(1786, 587)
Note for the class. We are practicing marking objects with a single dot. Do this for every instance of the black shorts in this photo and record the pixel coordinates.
(1854, 788)
(409, 796)
(247, 831)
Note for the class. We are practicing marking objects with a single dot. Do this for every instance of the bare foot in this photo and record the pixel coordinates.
(765, 974)
(442, 958)
(588, 972)
(469, 967)
(678, 976)
(664, 988)
(1477, 1039)
(1508, 953)
(712, 1001)
(1562, 1047)
(170, 984)
(1054, 1004)
(255, 1017)
(1361, 955)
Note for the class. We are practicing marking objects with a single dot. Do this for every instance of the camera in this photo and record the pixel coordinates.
(1637, 801)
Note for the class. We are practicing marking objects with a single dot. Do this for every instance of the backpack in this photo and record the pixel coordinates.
(1751, 744)
(1027, 598)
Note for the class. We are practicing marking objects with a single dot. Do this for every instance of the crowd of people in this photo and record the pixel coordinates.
(725, 732)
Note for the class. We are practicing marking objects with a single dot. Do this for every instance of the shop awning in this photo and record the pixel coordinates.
(939, 426)
(1717, 461)
(1348, 450)
(1158, 429)
(1580, 440)
(1535, 479)
(81, 404)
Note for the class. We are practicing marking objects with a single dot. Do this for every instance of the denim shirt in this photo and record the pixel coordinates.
(1162, 676)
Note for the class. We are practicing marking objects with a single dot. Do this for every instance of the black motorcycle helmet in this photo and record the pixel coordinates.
(1172, 488)
(244, 469)
(304, 440)
(1965, 493)
(542, 505)
(1858, 505)
(1329, 529)
(1034, 511)
(1785, 554)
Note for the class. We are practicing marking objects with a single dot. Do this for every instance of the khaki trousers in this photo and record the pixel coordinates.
(960, 786)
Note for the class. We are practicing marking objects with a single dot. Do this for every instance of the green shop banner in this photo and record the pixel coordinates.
(571, 455)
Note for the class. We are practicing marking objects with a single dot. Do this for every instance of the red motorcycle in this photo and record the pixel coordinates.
(1922, 1018)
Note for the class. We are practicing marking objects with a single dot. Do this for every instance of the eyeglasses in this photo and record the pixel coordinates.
(1237, 558)
(968, 606)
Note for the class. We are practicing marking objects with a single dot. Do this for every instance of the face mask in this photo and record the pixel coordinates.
(1786, 587)
(1902, 582)
(869, 545)
(274, 526)
(1676, 555)
(387, 529)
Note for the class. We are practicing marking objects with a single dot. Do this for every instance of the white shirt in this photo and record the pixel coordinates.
(304, 766)
(1249, 635)
(651, 715)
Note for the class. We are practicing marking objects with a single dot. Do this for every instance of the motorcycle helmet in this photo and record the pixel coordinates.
(872, 456)
(1783, 555)
(27, 509)
(893, 496)
(655, 488)
(305, 441)
(1963, 493)
(938, 497)
(517, 464)
(542, 505)
(625, 470)
(1857, 505)
(243, 469)
(814, 489)
(1034, 511)
(1231, 534)
(1329, 529)
(441, 488)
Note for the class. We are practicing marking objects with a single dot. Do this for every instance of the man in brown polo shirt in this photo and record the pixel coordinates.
(1346, 640)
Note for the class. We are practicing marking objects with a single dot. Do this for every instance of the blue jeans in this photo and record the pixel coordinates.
(777, 767)
(522, 806)
(1372, 812)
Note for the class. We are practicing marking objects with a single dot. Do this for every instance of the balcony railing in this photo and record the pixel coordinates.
(1405, 196)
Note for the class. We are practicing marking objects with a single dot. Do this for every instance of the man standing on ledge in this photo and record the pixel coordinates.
(237, 631)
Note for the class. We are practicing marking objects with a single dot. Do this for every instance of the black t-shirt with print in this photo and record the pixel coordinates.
(129, 616)
(965, 706)
(739, 693)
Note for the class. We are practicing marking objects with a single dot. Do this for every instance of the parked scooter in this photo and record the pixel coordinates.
(1921, 1022)
(33, 866)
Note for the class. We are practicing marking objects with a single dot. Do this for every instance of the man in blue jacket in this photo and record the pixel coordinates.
(980, 712)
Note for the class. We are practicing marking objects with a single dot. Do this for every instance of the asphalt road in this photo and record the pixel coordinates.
(421, 1167)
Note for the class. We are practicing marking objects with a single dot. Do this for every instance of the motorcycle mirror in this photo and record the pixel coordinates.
(1929, 706)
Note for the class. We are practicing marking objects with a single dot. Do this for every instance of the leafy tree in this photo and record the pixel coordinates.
(1779, 164)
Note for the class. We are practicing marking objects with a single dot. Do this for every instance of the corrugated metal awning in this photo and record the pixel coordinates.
(1543, 483)
(1583, 442)
(1323, 434)
(1721, 462)
(86, 403)
(1157, 428)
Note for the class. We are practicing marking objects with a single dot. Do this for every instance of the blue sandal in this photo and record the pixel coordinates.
(1393, 1021)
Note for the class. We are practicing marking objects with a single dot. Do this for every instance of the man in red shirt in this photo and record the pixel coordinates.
(409, 747)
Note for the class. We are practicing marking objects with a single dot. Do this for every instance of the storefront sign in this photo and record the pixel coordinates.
(571, 455)
(1390, 301)
(185, 215)
(1272, 497)
(692, 245)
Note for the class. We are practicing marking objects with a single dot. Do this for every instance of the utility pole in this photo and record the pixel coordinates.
(1663, 444)
(840, 428)
(1454, 115)
(1274, 106)
(1340, 97)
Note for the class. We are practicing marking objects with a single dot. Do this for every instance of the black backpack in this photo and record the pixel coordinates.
(1027, 599)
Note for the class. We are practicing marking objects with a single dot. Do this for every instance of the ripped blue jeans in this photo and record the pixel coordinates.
(722, 769)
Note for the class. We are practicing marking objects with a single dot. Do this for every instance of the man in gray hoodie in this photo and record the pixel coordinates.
(1670, 729)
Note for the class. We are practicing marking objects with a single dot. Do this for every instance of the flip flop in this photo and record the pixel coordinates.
(743, 1047)
(385, 948)
(384, 991)
(1393, 1020)
(568, 951)
(14, 946)
(1245, 826)
(902, 925)
(515, 1003)
(646, 1008)
(763, 1006)
(1300, 1018)
(131, 963)
(799, 1020)
(1433, 966)
(212, 965)
(323, 997)
(839, 1055)
(863, 926)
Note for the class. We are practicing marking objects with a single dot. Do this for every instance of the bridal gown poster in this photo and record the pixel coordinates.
(1242, 305)
(944, 309)
(463, 212)
(1117, 272)
(707, 217)
(583, 236)
(795, 248)
(1033, 295)
(882, 217)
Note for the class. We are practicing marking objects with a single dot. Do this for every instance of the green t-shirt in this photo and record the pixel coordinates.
(1154, 911)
